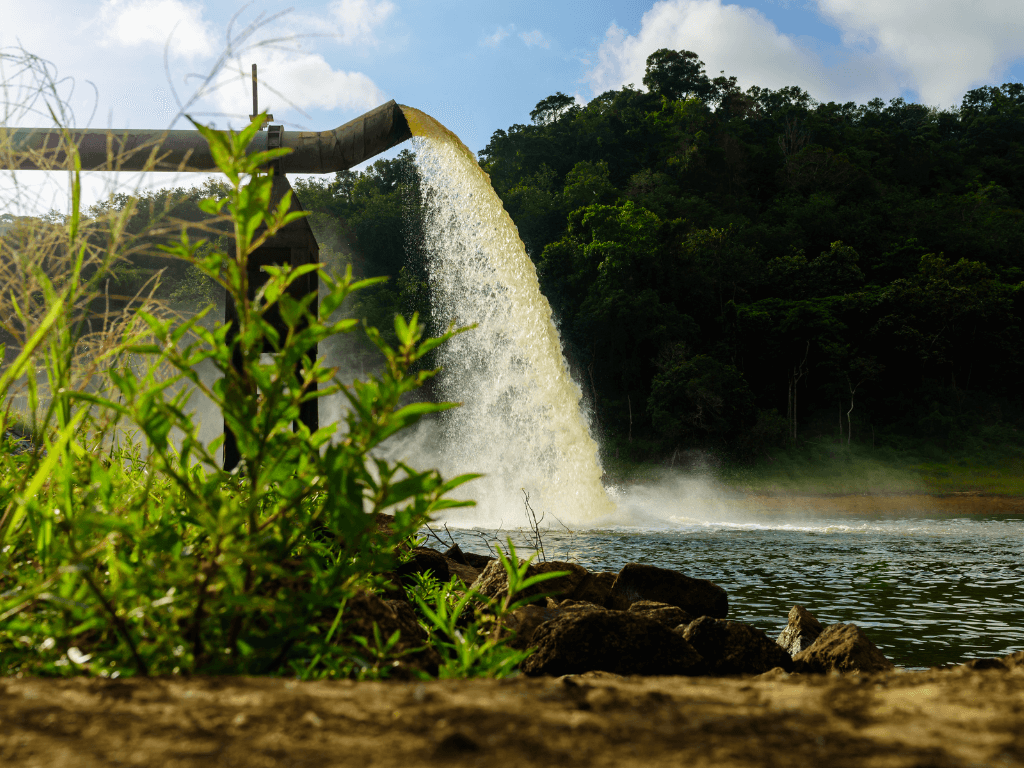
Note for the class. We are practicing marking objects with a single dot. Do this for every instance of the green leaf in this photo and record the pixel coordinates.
(54, 454)
(15, 369)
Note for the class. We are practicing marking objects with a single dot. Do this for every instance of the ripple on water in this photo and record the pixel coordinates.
(931, 591)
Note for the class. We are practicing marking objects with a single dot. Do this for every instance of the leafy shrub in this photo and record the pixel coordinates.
(469, 630)
(125, 548)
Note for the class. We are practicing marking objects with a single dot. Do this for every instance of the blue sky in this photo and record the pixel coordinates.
(481, 66)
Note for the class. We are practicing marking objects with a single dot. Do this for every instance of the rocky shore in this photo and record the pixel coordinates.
(643, 620)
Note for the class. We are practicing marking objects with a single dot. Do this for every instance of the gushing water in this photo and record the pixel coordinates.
(520, 423)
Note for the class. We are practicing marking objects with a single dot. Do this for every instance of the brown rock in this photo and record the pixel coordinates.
(455, 745)
(525, 620)
(384, 523)
(842, 648)
(801, 631)
(575, 605)
(595, 588)
(467, 573)
(669, 615)
(732, 648)
(982, 664)
(424, 560)
(393, 587)
(454, 552)
(478, 561)
(493, 580)
(1014, 660)
(698, 597)
(610, 641)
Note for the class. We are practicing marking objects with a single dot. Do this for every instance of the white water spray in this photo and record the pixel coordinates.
(520, 422)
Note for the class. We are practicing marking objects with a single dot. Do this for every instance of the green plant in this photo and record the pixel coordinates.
(125, 549)
(477, 646)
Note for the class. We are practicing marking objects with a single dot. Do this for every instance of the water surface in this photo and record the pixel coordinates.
(928, 590)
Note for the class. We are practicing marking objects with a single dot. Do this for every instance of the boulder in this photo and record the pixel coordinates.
(669, 615)
(1014, 660)
(842, 648)
(698, 597)
(611, 641)
(493, 580)
(595, 588)
(384, 526)
(983, 664)
(801, 631)
(455, 745)
(384, 523)
(732, 648)
(525, 620)
(424, 560)
(394, 589)
(454, 552)
(573, 605)
(478, 561)
(467, 573)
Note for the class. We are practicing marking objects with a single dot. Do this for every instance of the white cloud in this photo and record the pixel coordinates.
(535, 38)
(530, 39)
(492, 41)
(305, 80)
(357, 19)
(942, 47)
(936, 48)
(739, 40)
(179, 25)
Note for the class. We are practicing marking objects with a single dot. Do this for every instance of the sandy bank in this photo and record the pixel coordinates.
(967, 503)
(956, 717)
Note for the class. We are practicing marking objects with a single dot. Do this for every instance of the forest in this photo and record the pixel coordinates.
(735, 271)
(732, 270)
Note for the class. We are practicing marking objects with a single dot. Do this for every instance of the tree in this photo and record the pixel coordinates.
(702, 401)
(588, 184)
(679, 75)
(834, 272)
(550, 109)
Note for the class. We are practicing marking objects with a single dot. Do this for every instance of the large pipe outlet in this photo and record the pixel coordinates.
(31, 149)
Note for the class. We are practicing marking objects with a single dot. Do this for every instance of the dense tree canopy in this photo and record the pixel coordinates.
(721, 259)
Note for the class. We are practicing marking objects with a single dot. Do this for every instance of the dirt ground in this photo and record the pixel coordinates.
(956, 717)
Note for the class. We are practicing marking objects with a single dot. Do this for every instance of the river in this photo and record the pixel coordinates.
(930, 588)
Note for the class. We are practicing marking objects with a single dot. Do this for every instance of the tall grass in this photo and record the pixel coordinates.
(124, 552)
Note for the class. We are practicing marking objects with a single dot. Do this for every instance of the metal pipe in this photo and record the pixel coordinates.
(314, 152)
